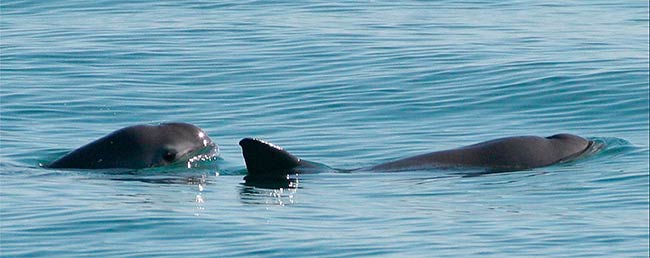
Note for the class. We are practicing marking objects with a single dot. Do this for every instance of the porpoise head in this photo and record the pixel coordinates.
(178, 142)
(142, 146)
(570, 146)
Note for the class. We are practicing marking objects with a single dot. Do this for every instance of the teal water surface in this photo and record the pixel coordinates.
(348, 84)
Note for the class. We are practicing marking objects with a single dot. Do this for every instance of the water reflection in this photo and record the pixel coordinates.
(274, 192)
(176, 180)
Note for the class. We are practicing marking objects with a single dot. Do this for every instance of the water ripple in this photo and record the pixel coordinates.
(349, 84)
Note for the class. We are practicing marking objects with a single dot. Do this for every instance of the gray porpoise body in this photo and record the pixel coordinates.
(141, 146)
(505, 154)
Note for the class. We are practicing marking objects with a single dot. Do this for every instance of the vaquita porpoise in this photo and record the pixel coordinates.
(266, 160)
(141, 146)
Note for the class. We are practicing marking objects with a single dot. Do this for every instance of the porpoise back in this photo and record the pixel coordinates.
(264, 159)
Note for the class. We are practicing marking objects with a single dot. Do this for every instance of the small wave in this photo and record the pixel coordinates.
(608, 146)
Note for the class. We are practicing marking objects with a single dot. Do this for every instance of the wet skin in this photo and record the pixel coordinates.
(265, 160)
(141, 146)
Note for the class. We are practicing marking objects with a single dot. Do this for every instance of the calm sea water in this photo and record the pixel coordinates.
(348, 84)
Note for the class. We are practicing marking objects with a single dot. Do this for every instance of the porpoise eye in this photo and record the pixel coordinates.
(169, 156)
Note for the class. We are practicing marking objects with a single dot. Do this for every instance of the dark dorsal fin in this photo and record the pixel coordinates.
(264, 157)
